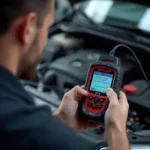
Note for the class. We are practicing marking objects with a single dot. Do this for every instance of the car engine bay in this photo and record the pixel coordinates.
(73, 44)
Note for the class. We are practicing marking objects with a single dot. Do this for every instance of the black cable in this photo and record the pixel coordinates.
(127, 47)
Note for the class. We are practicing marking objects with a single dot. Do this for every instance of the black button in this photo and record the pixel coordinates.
(99, 106)
(102, 100)
(96, 99)
(89, 103)
(90, 98)
(94, 105)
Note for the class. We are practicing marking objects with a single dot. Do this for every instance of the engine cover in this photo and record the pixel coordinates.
(72, 69)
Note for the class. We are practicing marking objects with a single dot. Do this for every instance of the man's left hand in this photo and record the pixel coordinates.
(68, 110)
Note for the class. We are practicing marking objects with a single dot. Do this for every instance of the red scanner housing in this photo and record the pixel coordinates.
(102, 75)
(98, 100)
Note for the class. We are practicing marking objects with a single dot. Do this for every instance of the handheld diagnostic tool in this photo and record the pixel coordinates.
(103, 74)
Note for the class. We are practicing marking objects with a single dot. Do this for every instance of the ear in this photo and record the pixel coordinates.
(27, 29)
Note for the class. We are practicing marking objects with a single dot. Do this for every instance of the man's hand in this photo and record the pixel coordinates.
(115, 121)
(68, 110)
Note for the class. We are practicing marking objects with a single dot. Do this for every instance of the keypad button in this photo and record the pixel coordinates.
(96, 99)
(99, 106)
(102, 100)
(94, 106)
(90, 97)
(89, 104)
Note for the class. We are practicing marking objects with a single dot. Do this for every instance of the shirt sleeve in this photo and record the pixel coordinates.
(28, 127)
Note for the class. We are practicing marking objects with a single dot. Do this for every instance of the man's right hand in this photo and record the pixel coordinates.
(115, 121)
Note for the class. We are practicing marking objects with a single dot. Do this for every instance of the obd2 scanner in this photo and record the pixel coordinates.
(103, 74)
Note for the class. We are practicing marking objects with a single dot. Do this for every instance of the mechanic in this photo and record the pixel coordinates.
(23, 126)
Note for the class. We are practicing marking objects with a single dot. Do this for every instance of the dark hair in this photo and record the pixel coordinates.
(11, 9)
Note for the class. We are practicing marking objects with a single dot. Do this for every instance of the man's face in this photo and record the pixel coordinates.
(27, 67)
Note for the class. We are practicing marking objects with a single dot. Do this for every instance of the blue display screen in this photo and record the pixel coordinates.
(101, 81)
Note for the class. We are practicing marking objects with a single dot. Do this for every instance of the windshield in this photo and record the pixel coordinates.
(127, 14)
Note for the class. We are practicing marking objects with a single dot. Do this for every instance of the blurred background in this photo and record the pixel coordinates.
(84, 30)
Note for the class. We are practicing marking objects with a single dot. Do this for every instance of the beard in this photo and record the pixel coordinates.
(27, 66)
(29, 72)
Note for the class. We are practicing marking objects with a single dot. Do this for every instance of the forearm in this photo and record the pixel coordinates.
(118, 141)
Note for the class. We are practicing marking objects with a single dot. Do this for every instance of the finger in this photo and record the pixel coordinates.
(122, 98)
(78, 91)
(112, 96)
(83, 87)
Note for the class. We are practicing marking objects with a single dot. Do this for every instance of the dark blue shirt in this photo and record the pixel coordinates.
(23, 126)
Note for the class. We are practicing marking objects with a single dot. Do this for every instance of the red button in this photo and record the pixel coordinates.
(130, 89)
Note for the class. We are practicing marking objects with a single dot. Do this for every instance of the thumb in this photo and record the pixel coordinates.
(78, 91)
(112, 96)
